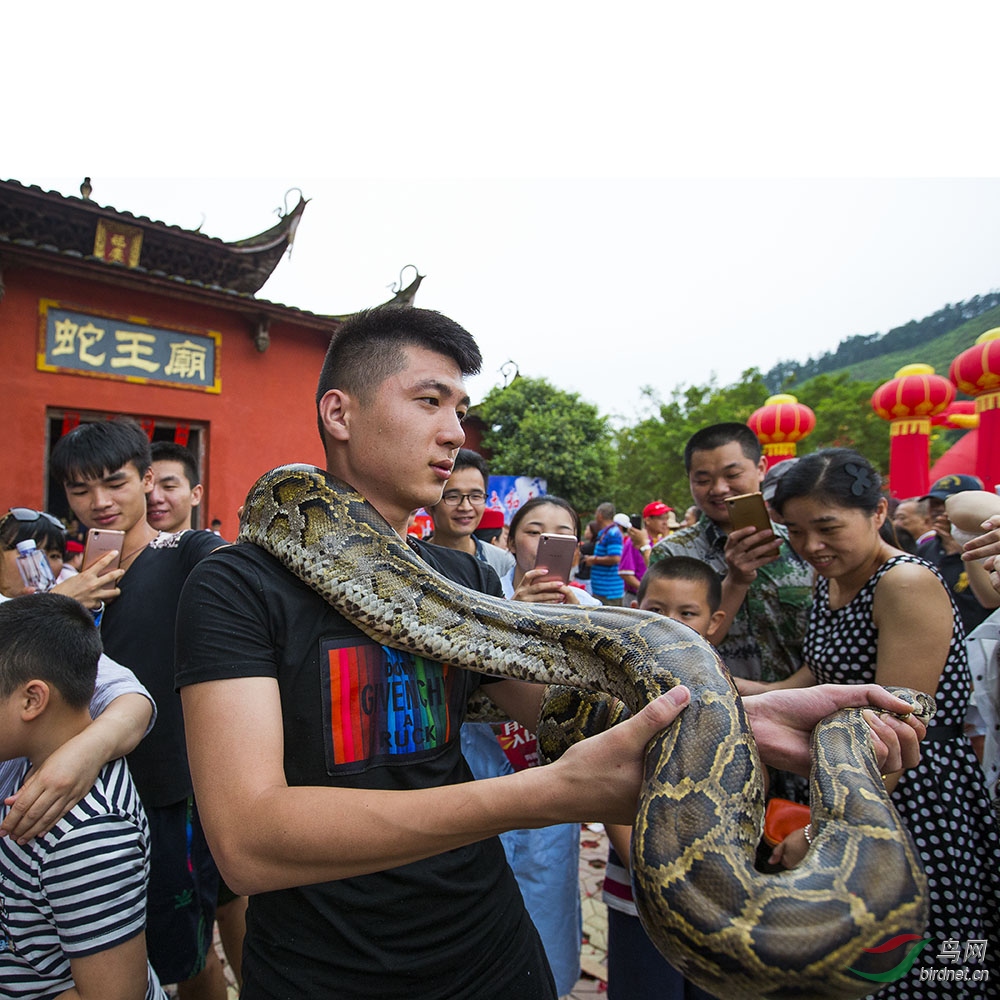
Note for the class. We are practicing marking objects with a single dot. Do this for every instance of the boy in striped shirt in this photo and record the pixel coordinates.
(73, 900)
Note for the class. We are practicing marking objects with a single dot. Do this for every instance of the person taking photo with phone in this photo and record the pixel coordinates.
(545, 861)
(370, 856)
(766, 587)
(105, 468)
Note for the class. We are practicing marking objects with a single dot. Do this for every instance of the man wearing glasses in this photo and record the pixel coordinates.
(458, 513)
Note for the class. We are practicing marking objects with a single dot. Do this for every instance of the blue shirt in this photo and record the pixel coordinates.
(605, 581)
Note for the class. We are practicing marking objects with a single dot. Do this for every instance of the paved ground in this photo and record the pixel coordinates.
(594, 954)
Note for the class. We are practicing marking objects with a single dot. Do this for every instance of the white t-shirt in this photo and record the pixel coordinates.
(984, 706)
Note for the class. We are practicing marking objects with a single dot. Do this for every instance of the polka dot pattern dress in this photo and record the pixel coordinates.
(943, 801)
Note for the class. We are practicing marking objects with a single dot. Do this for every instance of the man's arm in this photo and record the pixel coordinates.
(118, 973)
(94, 585)
(981, 585)
(266, 835)
(981, 553)
(602, 560)
(521, 700)
(783, 721)
(70, 772)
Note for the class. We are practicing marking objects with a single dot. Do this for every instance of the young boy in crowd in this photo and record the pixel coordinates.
(73, 900)
(689, 591)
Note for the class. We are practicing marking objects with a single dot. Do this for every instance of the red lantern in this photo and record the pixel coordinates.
(908, 402)
(779, 424)
(977, 373)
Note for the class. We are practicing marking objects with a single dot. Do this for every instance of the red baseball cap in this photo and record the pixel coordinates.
(656, 509)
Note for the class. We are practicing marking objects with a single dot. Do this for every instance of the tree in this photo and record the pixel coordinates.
(651, 454)
(535, 429)
(845, 418)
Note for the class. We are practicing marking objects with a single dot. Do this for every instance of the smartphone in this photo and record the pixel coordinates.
(748, 509)
(636, 520)
(101, 541)
(555, 554)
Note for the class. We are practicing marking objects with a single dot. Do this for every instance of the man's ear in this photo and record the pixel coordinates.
(196, 493)
(335, 414)
(33, 698)
(147, 480)
(715, 623)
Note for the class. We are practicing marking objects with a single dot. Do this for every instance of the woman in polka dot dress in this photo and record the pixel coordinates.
(882, 615)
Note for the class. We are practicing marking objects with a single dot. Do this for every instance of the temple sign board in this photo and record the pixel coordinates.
(126, 348)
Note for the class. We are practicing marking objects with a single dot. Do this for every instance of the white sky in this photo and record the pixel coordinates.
(610, 196)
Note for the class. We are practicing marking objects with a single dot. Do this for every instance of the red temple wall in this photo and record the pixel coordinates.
(263, 416)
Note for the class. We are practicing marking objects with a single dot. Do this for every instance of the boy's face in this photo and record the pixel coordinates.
(683, 600)
(115, 500)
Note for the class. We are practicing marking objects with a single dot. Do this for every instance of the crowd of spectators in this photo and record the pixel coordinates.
(329, 777)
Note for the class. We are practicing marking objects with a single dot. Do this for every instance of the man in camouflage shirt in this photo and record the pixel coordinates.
(766, 588)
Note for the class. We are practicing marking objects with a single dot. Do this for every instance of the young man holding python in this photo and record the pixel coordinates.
(327, 765)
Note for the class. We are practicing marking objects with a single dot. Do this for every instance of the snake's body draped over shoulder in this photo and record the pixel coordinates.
(727, 927)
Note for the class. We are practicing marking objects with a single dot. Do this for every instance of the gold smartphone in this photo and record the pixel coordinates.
(555, 555)
(101, 541)
(748, 509)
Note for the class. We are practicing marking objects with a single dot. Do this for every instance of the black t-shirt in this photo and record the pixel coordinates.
(358, 715)
(138, 631)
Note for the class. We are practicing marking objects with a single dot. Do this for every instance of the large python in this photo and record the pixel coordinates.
(734, 931)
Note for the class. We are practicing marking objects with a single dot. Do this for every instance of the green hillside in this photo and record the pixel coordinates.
(938, 352)
(933, 340)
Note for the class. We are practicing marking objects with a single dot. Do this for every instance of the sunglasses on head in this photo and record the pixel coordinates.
(26, 514)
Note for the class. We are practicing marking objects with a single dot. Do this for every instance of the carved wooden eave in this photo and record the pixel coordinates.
(279, 237)
(405, 296)
(49, 231)
(79, 227)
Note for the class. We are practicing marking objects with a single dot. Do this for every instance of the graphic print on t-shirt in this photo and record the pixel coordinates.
(381, 706)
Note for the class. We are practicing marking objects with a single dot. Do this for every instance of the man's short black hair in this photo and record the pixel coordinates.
(92, 451)
(368, 348)
(684, 568)
(49, 637)
(469, 459)
(718, 436)
(170, 451)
